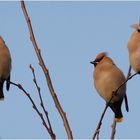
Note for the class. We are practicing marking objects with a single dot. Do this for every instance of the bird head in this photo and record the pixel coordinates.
(136, 26)
(1, 40)
(98, 58)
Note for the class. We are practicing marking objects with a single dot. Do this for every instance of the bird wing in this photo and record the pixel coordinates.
(7, 83)
(126, 103)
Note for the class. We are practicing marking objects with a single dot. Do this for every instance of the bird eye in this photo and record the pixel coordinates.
(138, 30)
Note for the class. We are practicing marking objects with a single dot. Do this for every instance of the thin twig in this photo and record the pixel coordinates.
(114, 93)
(130, 77)
(41, 102)
(34, 106)
(129, 72)
(46, 73)
(100, 123)
(113, 130)
(102, 116)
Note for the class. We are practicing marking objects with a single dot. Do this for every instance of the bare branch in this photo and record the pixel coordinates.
(127, 79)
(129, 72)
(34, 107)
(113, 130)
(46, 73)
(100, 123)
(41, 102)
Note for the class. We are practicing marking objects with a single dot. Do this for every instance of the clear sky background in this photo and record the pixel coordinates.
(70, 35)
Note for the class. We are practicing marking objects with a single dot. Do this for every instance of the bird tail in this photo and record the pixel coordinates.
(116, 108)
(119, 119)
(1, 90)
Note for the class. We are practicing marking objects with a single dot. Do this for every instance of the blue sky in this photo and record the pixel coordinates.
(70, 35)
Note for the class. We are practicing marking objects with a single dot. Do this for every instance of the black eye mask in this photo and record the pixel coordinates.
(138, 30)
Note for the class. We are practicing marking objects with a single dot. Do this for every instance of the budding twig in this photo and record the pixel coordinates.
(41, 103)
(34, 106)
(46, 73)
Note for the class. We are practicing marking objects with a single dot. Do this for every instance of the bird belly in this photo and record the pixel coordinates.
(5, 67)
(106, 88)
(135, 61)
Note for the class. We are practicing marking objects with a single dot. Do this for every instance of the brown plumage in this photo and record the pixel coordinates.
(5, 66)
(134, 48)
(107, 78)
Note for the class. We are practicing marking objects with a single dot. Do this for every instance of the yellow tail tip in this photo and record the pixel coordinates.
(119, 119)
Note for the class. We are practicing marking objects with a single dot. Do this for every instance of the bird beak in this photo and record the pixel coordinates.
(133, 26)
(94, 63)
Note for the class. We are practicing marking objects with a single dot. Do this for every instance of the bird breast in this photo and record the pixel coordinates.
(5, 63)
(134, 51)
(108, 79)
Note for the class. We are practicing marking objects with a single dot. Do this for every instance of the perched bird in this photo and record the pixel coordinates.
(134, 48)
(5, 66)
(107, 78)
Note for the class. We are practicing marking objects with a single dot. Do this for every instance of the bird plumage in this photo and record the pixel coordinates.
(107, 78)
(134, 48)
(5, 66)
